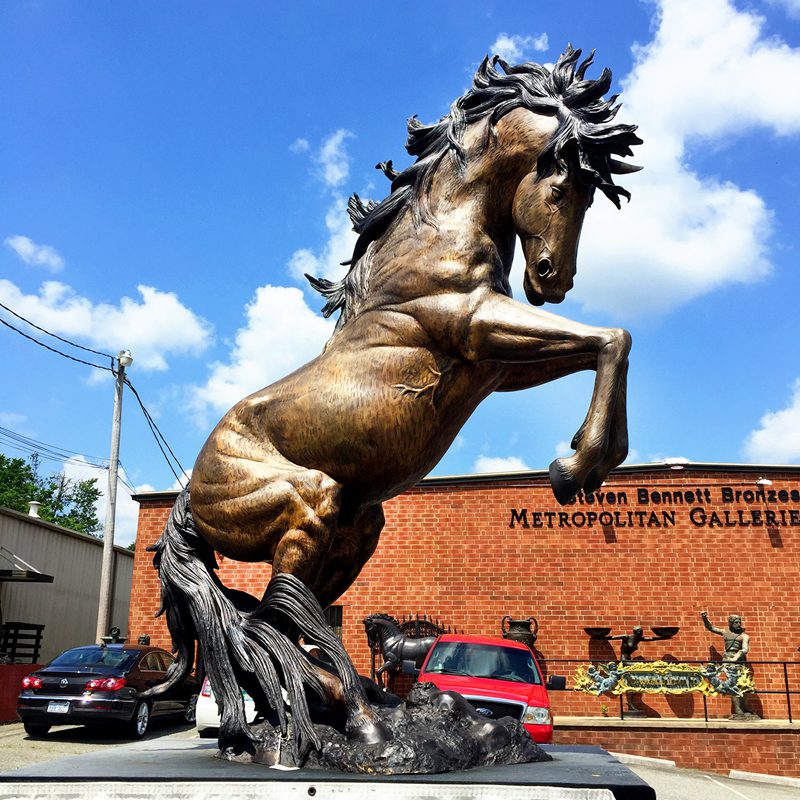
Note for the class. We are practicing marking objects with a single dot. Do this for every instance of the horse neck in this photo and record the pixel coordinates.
(464, 222)
(475, 204)
(386, 629)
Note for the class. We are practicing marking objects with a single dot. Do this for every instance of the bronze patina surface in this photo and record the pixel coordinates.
(295, 474)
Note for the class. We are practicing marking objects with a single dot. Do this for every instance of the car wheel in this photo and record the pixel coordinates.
(137, 727)
(32, 729)
(208, 733)
(191, 710)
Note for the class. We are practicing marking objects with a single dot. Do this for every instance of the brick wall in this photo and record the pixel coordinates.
(772, 752)
(448, 550)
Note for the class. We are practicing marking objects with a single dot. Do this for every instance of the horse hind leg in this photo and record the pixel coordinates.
(303, 552)
(287, 514)
(351, 548)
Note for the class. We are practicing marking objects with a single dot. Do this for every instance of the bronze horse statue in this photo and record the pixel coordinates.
(385, 635)
(295, 474)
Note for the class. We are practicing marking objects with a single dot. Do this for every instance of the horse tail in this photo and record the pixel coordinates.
(239, 650)
(197, 610)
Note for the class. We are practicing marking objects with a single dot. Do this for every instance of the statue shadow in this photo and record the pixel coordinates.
(637, 701)
(600, 650)
(681, 705)
(753, 702)
(541, 659)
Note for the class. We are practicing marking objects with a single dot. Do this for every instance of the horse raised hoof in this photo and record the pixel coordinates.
(593, 482)
(565, 485)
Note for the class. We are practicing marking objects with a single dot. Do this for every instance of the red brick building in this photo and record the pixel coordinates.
(655, 546)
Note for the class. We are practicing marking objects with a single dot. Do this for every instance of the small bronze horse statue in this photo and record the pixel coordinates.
(385, 635)
(295, 474)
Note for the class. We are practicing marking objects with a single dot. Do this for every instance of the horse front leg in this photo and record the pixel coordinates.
(617, 450)
(548, 346)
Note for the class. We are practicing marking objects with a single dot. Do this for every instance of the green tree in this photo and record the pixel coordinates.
(17, 483)
(65, 501)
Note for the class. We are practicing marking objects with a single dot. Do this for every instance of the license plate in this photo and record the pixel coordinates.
(58, 707)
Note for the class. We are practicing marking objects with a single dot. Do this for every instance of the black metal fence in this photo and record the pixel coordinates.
(783, 680)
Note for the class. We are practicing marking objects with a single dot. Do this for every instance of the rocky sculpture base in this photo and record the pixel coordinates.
(432, 732)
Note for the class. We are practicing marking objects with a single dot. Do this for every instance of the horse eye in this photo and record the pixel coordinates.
(556, 192)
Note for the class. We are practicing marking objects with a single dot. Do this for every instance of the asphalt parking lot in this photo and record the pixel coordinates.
(17, 749)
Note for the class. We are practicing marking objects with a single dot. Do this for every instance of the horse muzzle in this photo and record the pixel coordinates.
(536, 288)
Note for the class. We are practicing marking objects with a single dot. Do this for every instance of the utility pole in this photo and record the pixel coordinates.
(124, 359)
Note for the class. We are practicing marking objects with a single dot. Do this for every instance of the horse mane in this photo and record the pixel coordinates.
(585, 137)
(381, 616)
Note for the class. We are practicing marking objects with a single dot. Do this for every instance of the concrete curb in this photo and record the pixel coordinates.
(760, 777)
(643, 761)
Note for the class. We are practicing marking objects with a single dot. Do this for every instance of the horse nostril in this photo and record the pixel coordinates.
(544, 268)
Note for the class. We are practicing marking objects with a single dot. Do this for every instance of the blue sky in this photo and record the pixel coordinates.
(168, 171)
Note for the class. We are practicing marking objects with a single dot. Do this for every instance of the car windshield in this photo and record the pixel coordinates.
(95, 657)
(483, 661)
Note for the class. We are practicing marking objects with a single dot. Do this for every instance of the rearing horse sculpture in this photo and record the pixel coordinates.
(385, 636)
(295, 474)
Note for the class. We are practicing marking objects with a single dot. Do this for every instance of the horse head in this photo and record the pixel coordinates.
(378, 627)
(548, 214)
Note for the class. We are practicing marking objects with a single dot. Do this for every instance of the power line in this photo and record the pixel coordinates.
(154, 429)
(158, 436)
(56, 336)
(49, 452)
(53, 349)
(34, 445)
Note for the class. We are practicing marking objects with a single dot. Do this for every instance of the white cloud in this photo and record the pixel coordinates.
(339, 247)
(299, 146)
(777, 441)
(707, 76)
(509, 464)
(153, 328)
(513, 48)
(9, 419)
(333, 159)
(281, 333)
(633, 457)
(563, 449)
(38, 255)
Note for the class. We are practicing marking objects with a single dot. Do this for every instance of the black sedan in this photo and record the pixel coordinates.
(97, 684)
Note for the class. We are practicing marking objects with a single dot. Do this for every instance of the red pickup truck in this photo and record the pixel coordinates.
(499, 677)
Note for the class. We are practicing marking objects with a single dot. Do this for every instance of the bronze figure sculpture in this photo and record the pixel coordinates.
(295, 474)
(385, 636)
(737, 646)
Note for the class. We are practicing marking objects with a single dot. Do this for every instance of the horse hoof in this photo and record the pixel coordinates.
(593, 482)
(565, 485)
(370, 732)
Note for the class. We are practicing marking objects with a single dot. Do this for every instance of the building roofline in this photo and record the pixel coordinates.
(43, 523)
(669, 465)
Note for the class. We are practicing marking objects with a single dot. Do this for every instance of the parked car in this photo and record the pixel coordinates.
(97, 684)
(499, 677)
(207, 714)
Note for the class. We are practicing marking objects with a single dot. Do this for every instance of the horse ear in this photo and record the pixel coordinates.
(621, 167)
